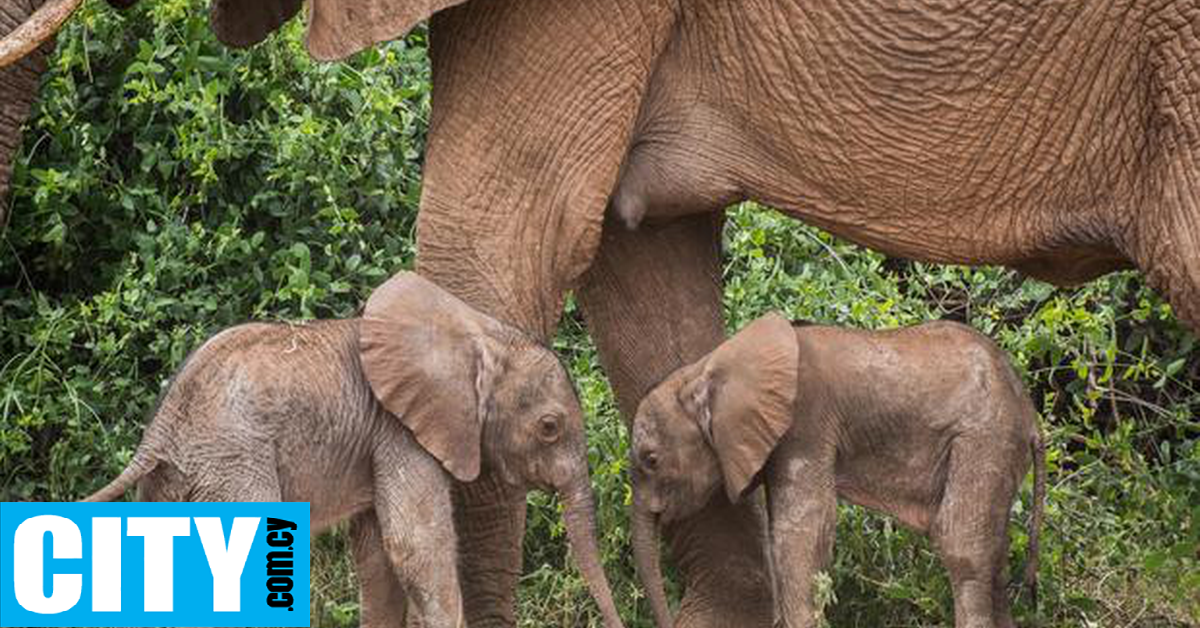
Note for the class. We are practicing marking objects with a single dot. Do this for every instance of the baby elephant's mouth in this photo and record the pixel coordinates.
(651, 503)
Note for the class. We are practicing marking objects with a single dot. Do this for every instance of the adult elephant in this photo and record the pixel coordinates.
(592, 145)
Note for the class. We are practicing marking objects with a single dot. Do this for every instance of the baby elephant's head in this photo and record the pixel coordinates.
(482, 396)
(709, 423)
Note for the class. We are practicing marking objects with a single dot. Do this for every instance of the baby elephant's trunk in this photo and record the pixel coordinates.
(579, 517)
(649, 564)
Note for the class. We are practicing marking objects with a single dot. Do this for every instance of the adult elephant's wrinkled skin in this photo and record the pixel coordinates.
(593, 144)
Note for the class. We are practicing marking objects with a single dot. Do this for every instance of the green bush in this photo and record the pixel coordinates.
(169, 187)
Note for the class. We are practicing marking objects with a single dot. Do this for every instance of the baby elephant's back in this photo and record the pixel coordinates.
(914, 404)
(943, 373)
(271, 384)
(267, 369)
(981, 384)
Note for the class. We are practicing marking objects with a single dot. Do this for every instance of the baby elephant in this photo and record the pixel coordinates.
(928, 424)
(364, 418)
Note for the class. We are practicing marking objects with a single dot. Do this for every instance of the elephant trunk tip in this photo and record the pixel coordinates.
(580, 518)
(649, 567)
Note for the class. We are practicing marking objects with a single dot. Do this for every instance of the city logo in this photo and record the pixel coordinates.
(154, 564)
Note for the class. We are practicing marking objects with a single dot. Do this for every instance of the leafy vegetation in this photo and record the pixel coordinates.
(169, 187)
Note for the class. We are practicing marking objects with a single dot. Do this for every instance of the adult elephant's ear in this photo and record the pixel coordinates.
(340, 28)
(243, 23)
(336, 28)
(433, 362)
(742, 396)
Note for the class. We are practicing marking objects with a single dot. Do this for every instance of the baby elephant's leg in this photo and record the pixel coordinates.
(247, 473)
(382, 601)
(412, 504)
(970, 530)
(803, 514)
(165, 483)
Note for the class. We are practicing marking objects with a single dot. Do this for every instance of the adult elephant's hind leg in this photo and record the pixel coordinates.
(1166, 244)
(652, 299)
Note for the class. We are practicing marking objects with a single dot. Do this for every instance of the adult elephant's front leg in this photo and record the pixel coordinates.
(535, 105)
(653, 302)
(490, 522)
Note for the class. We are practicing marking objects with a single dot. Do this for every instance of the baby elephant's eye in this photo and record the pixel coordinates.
(650, 461)
(548, 428)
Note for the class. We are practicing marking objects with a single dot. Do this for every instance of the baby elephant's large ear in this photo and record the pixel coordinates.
(742, 396)
(432, 361)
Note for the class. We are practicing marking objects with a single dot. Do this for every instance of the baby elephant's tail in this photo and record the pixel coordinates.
(142, 464)
(1035, 518)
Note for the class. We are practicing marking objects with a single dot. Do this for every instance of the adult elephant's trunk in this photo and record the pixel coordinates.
(579, 516)
(18, 88)
(647, 559)
(36, 30)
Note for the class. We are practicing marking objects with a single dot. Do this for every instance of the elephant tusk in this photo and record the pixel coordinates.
(34, 31)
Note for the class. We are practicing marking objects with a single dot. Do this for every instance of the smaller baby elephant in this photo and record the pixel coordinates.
(929, 424)
(375, 418)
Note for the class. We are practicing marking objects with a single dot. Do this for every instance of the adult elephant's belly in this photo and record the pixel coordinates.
(1017, 135)
(1030, 239)
(1021, 136)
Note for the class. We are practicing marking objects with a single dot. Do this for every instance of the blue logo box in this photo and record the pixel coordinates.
(154, 564)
